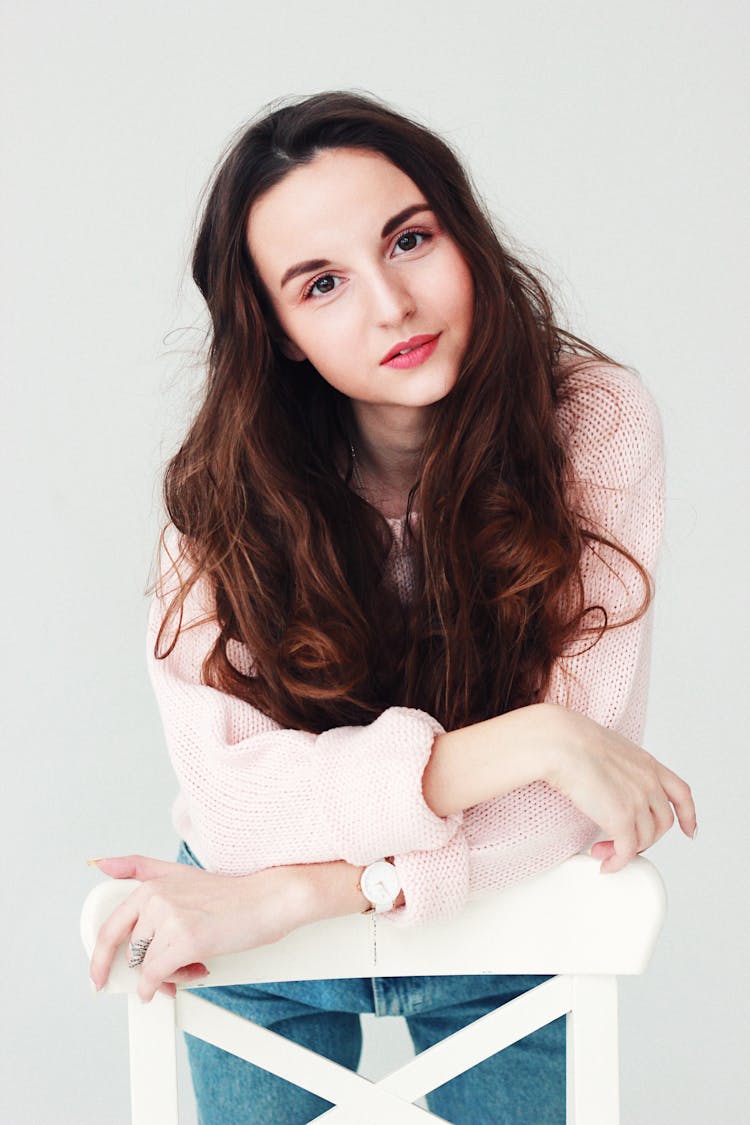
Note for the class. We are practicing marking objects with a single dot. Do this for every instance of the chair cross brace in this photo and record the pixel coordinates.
(390, 1098)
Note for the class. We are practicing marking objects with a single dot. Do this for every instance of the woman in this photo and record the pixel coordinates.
(400, 635)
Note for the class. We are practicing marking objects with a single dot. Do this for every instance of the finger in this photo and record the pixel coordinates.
(111, 934)
(625, 846)
(162, 964)
(186, 975)
(661, 811)
(645, 827)
(681, 796)
(140, 867)
(189, 973)
(614, 863)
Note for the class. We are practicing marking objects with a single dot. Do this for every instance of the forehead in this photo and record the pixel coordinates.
(320, 208)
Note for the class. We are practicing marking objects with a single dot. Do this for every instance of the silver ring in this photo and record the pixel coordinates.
(138, 950)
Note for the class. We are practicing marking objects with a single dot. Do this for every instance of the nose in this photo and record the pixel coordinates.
(392, 300)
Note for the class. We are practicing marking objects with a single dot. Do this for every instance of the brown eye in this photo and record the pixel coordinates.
(410, 240)
(407, 241)
(322, 286)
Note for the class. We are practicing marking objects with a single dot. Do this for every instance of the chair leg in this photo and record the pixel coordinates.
(593, 1079)
(153, 1061)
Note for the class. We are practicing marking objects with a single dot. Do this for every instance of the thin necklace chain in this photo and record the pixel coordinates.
(355, 465)
(356, 474)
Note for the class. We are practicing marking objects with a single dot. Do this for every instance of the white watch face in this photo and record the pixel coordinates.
(380, 884)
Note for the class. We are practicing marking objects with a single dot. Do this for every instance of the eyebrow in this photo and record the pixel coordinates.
(321, 263)
(303, 267)
(402, 216)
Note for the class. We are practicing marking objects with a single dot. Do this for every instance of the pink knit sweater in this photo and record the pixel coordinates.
(253, 795)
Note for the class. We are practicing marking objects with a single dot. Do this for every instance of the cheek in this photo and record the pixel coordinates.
(459, 294)
(325, 343)
(332, 348)
(337, 330)
(302, 334)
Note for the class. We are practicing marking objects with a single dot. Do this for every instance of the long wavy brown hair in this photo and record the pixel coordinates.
(295, 557)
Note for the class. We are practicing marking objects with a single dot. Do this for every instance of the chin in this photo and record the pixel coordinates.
(437, 390)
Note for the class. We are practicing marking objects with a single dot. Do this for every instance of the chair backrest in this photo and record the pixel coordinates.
(570, 922)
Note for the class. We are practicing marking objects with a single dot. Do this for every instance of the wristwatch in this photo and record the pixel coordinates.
(380, 884)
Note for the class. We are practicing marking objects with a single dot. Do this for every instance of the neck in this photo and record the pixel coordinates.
(387, 445)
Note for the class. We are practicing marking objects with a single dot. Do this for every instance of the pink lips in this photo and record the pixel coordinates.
(420, 349)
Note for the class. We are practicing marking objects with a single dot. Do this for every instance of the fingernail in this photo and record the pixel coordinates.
(94, 985)
(695, 832)
(94, 862)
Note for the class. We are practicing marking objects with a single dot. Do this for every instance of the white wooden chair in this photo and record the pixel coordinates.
(582, 928)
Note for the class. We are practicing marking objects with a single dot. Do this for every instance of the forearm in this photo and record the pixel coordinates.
(490, 758)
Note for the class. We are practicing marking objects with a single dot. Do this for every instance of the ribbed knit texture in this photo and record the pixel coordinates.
(253, 795)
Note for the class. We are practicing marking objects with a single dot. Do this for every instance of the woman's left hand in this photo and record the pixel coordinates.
(192, 914)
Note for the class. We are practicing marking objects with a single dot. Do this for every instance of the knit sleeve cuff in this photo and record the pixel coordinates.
(380, 767)
(435, 883)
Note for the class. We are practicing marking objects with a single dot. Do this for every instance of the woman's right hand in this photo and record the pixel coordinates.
(616, 783)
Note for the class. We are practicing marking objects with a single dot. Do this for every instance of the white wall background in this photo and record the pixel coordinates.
(611, 141)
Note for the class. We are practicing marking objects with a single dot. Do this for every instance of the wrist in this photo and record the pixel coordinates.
(329, 890)
(290, 893)
(558, 743)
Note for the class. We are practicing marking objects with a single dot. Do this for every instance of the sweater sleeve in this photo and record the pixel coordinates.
(614, 433)
(254, 795)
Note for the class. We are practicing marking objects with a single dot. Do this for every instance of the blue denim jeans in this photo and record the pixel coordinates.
(521, 1085)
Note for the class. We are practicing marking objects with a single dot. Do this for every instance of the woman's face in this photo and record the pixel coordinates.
(357, 265)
